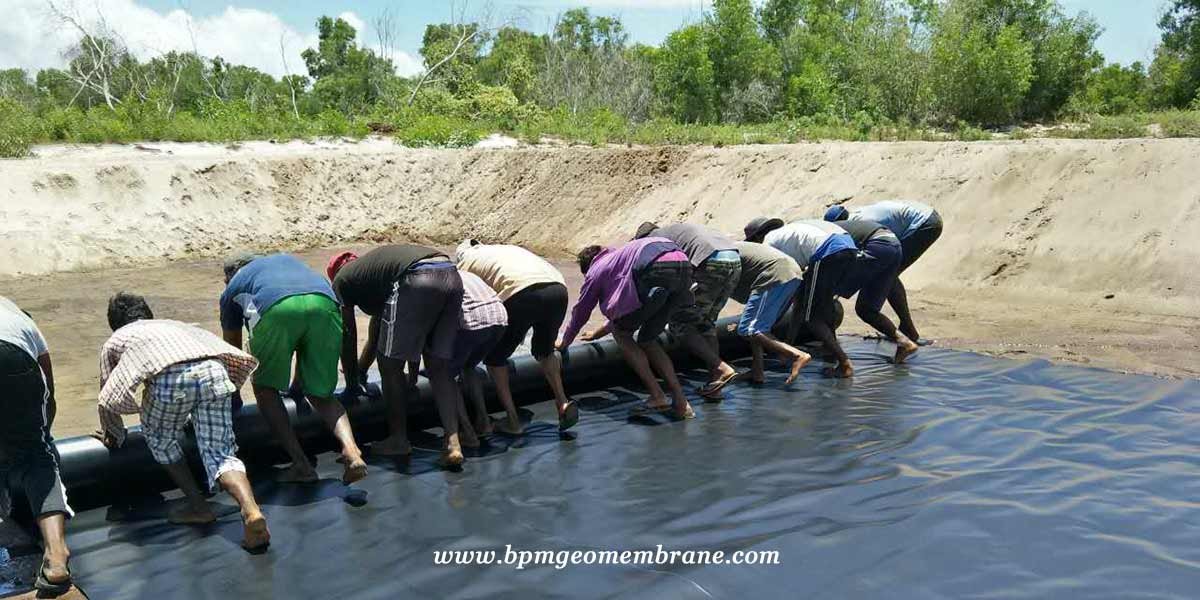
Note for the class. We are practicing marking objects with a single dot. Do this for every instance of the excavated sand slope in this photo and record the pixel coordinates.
(1071, 216)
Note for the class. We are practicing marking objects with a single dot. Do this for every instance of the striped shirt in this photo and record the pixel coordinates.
(141, 350)
(481, 307)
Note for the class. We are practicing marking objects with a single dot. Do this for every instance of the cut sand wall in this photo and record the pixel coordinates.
(1089, 217)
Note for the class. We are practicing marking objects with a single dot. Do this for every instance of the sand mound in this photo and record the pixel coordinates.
(1090, 217)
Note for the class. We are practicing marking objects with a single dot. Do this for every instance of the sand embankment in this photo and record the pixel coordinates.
(1075, 216)
(1074, 250)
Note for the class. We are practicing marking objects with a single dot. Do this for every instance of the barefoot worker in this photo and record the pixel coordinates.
(637, 286)
(827, 253)
(768, 282)
(872, 278)
(535, 298)
(188, 374)
(917, 225)
(414, 297)
(290, 310)
(28, 460)
(483, 323)
(716, 268)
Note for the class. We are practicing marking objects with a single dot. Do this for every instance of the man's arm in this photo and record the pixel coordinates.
(588, 298)
(48, 372)
(112, 428)
(367, 357)
(233, 337)
(349, 346)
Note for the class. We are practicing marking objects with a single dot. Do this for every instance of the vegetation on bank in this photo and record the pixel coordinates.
(786, 71)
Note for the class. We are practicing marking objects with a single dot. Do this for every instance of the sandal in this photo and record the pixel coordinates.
(714, 388)
(42, 584)
(569, 417)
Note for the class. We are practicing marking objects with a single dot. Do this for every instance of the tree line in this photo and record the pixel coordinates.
(910, 63)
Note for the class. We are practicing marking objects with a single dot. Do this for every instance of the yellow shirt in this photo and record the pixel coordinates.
(506, 269)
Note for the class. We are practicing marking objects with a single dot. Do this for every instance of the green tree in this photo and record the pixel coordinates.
(1114, 90)
(745, 66)
(1176, 68)
(345, 77)
(979, 74)
(514, 61)
(683, 76)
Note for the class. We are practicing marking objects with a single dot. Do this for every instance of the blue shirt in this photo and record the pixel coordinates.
(903, 218)
(264, 282)
(834, 244)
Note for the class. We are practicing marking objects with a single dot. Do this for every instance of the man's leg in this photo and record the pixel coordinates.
(173, 394)
(636, 357)
(661, 362)
(215, 440)
(904, 346)
(444, 393)
(195, 510)
(53, 527)
(395, 392)
(473, 386)
(270, 405)
(817, 304)
(512, 423)
(898, 298)
(798, 358)
(338, 421)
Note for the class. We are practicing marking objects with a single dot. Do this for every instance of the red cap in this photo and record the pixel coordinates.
(338, 261)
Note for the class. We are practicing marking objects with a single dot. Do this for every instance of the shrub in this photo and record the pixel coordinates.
(436, 130)
(18, 129)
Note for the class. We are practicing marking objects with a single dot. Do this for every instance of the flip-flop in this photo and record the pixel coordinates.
(926, 342)
(569, 417)
(643, 409)
(446, 462)
(42, 584)
(715, 387)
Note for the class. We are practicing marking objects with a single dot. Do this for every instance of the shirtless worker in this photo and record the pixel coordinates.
(826, 253)
(917, 225)
(413, 295)
(535, 298)
(290, 310)
(872, 278)
(28, 459)
(716, 268)
(638, 286)
(188, 375)
(769, 280)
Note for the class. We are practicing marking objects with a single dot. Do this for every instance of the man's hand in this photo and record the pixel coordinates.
(107, 439)
(560, 345)
(589, 335)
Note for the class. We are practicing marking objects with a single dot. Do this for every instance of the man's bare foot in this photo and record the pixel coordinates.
(510, 427)
(797, 364)
(842, 371)
(55, 570)
(904, 349)
(256, 535)
(356, 469)
(451, 458)
(186, 514)
(297, 473)
(393, 446)
(684, 412)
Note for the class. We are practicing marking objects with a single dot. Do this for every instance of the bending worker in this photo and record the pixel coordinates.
(874, 274)
(917, 225)
(827, 254)
(290, 310)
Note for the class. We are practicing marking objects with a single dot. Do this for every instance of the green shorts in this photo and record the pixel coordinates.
(309, 326)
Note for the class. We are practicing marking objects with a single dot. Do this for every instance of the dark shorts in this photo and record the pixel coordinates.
(422, 315)
(663, 288)
(816, 298)
(542, 308)
(471, 346)
(916, 244)
(874, 273)
(714, 282)
(28, 460)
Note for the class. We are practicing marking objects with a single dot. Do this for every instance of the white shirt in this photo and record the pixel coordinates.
(801, 239)
(506, 269)
(19, 330)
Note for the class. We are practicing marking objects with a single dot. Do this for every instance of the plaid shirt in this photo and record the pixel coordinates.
(481, 307)
(141, 350)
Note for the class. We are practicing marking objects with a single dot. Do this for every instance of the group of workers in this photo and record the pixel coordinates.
(447, 314)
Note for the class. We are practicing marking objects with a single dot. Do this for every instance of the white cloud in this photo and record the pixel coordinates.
(31, 38)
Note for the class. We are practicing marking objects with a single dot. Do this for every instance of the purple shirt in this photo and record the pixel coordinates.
(609, 282)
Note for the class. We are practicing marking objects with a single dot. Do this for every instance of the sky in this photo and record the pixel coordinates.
(270, 34)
